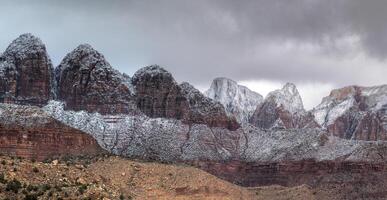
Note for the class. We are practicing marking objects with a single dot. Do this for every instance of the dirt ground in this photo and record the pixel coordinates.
(111, 177)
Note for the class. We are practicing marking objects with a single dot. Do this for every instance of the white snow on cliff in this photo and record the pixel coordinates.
(288, 97)
(238, 100)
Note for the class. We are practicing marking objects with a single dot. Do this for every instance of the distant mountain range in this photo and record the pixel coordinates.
(229, 130)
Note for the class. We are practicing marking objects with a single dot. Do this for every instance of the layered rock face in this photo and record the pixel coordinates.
(355, 113)
(204, 110)
(26, 72)
(30, 133)
(283, 109)
(237, 100)
(86, 81)
(159, 95)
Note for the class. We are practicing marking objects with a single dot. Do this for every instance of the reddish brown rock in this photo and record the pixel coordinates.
(204, 110)
(28, 132)
(355, 112)
(331, 179)
(26, 72)
(159, 95)
(86, 81)
(283, 109)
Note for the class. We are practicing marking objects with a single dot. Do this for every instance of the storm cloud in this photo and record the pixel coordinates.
(315, 44)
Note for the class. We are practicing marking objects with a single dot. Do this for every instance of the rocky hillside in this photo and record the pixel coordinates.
(283, 109)
(105, 178)
(237, 100)
(355, 113)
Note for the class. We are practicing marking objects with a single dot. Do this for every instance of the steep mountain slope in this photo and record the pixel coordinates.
(159, 95)
(26, 72)
(86, 81)
(238, 100)
(283, 109)
(355, 112)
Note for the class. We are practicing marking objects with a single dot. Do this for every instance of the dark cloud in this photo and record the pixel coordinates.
(339, 42)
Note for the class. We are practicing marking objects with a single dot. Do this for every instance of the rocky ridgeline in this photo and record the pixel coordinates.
(283, 109)
(355, 112)
(150, 116)
(159, 95)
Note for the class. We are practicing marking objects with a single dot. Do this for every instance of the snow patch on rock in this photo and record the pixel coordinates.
(238, 100)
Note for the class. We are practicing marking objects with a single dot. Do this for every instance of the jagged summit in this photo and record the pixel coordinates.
(238, 100)
(355, 112)
(283, 108)
(288, 97)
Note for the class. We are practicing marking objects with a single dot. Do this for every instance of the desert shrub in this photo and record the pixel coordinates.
(82, 189)
(31, 197)
(14, 186)
(2, 178)
(35, 170)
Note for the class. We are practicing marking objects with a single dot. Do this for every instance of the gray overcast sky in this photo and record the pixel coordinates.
(318, 45)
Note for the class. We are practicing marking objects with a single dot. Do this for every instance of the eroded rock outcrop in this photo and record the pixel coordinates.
(28, 132)
(283, 109)
(86, 81)
(26, 72)
(238, 100)
(355, 112)
(159, 95)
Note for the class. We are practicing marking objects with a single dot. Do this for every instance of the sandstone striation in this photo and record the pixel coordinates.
(28, 132)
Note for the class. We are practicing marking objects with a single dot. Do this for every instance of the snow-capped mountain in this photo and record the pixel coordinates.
(238, 100)
(283, 108)
(355, 112)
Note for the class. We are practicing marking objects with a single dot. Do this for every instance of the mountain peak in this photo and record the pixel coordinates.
(23, 46)
(288, 97)
(238, 100)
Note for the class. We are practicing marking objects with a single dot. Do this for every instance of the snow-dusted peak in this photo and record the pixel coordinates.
(151, 72)
(24, 46)
(85, 56)
(238, 100)
(288, 97)
(341, 100)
